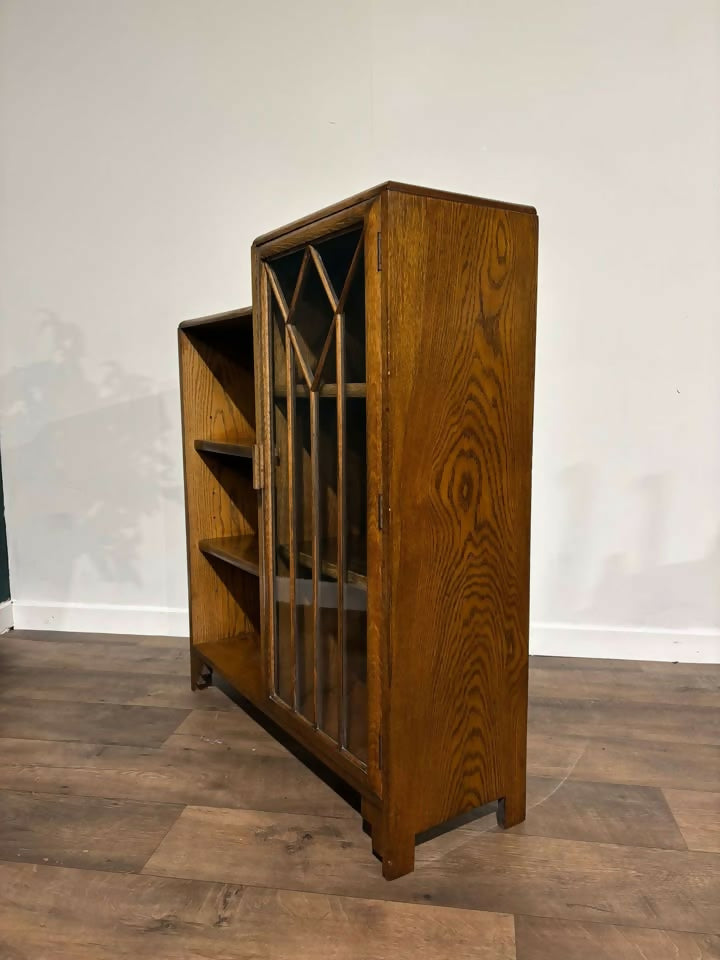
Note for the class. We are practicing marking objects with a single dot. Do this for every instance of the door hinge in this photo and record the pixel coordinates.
(380, 511)
(258, 471)
(379, 251)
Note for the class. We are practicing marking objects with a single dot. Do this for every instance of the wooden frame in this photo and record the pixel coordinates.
(416, 692)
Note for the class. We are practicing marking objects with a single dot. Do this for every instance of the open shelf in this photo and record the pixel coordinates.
(241, 552)
(326, 390)
(226, 449)
(238, 660)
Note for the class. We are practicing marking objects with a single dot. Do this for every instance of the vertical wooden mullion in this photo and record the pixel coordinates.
(292, 521)
(264, 377)
(341, 527)
(315, 486)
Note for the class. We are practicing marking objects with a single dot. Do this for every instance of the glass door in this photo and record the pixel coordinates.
(316, 298)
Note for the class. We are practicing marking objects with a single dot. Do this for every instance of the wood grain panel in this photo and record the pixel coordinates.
(698, 817)
(88, 915)
(461, 287)
(375, 354)
(541, 939)
(87, 832)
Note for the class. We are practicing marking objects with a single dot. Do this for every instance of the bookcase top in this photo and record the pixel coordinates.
(397, 187)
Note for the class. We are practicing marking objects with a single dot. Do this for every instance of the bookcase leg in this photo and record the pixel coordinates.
(372, 817)
(200, 673)
(398, 854)
(511, 809)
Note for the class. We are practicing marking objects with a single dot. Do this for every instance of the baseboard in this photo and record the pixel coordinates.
(624, 643)
(546, 639)
(101, 618)
(6, 615)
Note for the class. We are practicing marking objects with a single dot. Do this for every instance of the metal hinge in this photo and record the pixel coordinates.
(380, 511)
(379, 251)
(258, 471)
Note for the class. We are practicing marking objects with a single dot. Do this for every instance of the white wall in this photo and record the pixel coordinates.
(146, 142)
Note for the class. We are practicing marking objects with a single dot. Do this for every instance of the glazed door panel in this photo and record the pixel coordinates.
(314, 297)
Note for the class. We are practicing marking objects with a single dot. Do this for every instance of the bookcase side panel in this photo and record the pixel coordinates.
(461, 282)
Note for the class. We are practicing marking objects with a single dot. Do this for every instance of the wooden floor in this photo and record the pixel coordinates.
(138, 819)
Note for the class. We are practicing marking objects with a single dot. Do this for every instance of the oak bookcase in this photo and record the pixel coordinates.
(357, 451)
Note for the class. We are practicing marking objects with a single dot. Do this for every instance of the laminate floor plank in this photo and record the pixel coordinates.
(594, 812)
(641, 762)
(226, 730)
(109, 764)
(100, 722)
(540, 939)
(698, 817)
(104, 686)
(18, 652)
(638, 685)
(83, 832)
(609, 719)
(216, 775)
(503, 873)
(106, 639)
(562, 664)
(61, 914)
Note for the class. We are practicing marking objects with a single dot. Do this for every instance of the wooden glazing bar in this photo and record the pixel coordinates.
(297, 343)
(266, 439)
(324, 277)
(315, 484)
(323, 356)
(351, 273)
(341, 528)
(276, 289)
(298, 286)
(292, 518)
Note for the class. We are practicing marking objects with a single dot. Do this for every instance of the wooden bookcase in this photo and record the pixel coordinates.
(357, 451)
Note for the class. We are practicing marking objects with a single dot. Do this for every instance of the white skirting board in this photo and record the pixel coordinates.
(102, 618)
(546, 639)
(625, 643)
(6, 615)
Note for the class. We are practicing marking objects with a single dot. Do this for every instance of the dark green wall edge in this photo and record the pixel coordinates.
(4, 569)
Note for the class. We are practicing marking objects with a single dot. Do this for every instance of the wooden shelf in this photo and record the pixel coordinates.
(238, 660)
(229, 320)
(244, 450)
(242, 552)
(356, 565)
(352, 390)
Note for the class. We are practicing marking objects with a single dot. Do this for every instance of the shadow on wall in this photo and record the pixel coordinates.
(633, 587)
(87, 462)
